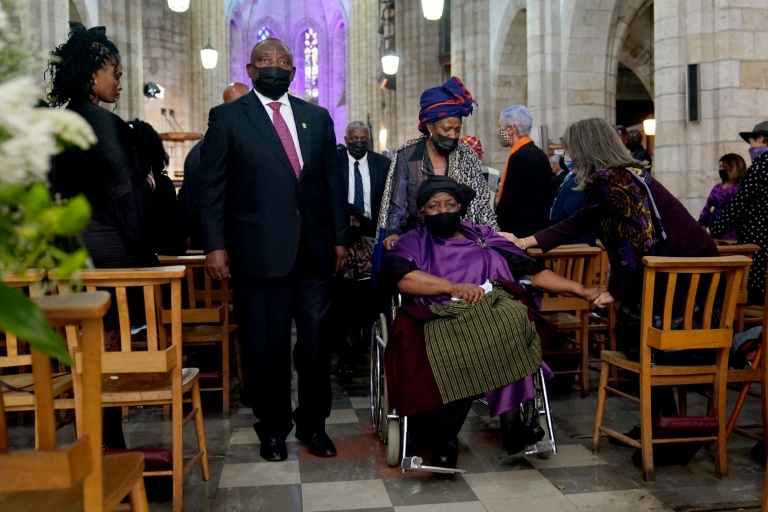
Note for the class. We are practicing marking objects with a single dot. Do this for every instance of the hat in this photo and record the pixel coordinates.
(464, 194)
(451, 99)
(759, 129)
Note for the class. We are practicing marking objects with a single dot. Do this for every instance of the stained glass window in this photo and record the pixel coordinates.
(265, 33)
(311, 68)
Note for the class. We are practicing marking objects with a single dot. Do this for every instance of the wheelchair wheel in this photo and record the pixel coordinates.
(393, 442)
(384, 410)
(377, 384)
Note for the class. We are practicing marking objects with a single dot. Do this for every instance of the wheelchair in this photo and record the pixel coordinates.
(392, 429)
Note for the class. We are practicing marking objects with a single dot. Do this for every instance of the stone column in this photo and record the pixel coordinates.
(470, 61)
(45, 25)
(122, 18)
(417, 46)
(721, 38)
(208, 24)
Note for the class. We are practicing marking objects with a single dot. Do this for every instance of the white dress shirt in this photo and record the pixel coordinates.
(366, 174)
(287, 114)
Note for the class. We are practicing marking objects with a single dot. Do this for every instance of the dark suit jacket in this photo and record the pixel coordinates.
(250, 201)
(525, 200)
(378, 166)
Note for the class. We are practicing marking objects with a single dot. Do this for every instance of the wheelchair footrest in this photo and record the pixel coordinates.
(415, 463)
(540, 447)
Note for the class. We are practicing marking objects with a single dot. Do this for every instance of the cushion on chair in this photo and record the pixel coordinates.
(155, 459)
(688, 426)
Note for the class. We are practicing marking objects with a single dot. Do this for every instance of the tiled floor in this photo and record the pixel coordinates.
(359, 478)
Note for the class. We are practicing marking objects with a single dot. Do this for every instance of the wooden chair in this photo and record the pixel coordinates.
(153, 376)
(728, 270)
(206, 318)
(602, 328)
(76, 477)
(17, 381)
(571, 314)
(749, 251)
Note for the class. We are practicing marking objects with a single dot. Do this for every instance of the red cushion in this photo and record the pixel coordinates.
(156, 459)
(688, 426)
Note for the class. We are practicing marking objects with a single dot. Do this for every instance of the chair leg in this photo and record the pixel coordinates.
(602, 394)
(737, 409)
(682, 401)
(225, 377)
(200, 431)
(138, 497)
(238, 364)
(584, 335)
(718, 402)
(177, 451)
(646, 428)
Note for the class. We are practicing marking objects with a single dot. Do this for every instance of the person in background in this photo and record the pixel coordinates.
(491, 174)
(436, 152)
(272, 204)
(569, 200)
(353, 305)
(732, 170)
(85, 72)
(165, 232)
(748, 212)
(635, 146)
(190, 187)
(559, 173)
(524, 196)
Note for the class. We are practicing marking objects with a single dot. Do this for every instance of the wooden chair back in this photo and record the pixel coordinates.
(578, 262)
(749, 251)
(51, 467)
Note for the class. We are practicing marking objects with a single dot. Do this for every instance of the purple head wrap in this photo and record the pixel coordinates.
(451, 99)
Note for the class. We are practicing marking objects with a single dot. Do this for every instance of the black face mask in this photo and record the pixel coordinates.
(723, 175)
(357, 149)
(445, 144)
(443, 225)
(272, 82)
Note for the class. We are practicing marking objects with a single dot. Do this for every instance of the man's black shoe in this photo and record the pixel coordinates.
(273, 449)
(320, 445)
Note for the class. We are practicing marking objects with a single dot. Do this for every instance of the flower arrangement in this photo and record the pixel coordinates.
(30, 218)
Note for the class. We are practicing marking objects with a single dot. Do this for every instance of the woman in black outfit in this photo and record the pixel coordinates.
(85, 71)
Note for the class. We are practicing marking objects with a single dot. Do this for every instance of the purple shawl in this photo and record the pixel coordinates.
(461, 260)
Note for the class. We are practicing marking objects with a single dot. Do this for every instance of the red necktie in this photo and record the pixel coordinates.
(285, 137)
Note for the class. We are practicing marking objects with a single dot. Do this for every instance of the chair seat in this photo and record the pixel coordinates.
(25, 397)
(204, 333)
(143, 387)
(120, 472)
(562, 320)
(620, 359)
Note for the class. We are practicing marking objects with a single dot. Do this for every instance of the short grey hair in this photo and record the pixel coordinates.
(594, 145)
(518, 115)
(358, 124)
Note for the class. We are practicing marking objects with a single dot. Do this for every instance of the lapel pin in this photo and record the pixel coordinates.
(303, 125)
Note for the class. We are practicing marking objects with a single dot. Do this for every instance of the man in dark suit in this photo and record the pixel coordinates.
(524, 194)
(190, 187)
(272, 206)
(372, 167)
(353, 305)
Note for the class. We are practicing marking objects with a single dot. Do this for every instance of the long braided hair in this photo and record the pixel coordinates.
(73, 64)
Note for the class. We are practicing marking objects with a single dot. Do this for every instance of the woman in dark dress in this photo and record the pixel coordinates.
(85, 71)
(732, 170)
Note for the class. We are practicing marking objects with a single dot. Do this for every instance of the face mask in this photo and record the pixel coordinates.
(723, 175)
(503, 138)
(272, 82)
(443, 225)
(445, 144)
(757, 151)
(357, 149)
(569, 163)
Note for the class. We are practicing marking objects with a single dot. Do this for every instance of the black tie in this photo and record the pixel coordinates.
(359, 199)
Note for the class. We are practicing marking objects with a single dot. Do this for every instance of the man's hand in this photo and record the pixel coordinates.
(217, 264)
(341, 256)
(389, 242)
(468, 292)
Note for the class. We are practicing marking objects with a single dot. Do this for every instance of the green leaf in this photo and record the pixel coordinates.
(72, 262)
(77, 213)
(37, 198)
(20, 316)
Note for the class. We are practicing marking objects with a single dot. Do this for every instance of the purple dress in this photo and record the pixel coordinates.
(718, 200)
(467, 260)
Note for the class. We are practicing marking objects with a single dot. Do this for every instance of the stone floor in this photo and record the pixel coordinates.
(359, 478)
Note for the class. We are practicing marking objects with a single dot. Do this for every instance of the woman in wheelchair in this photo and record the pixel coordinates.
(477, 321)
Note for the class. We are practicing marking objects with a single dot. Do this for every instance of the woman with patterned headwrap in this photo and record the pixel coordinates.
(436, 152)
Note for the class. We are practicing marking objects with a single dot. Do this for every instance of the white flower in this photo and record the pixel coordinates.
(70, 128)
